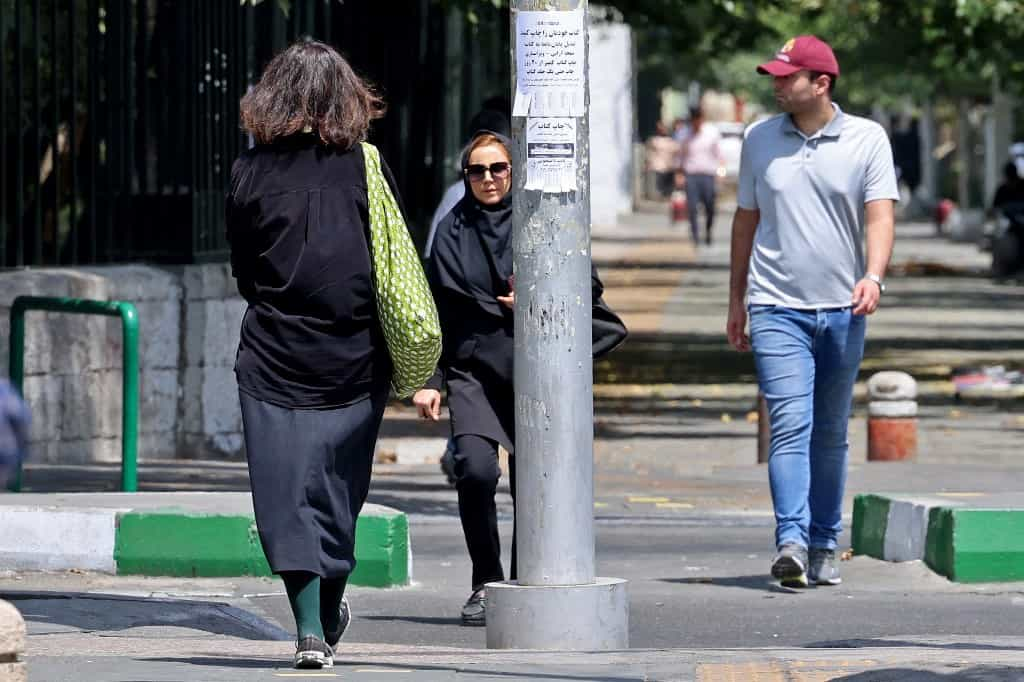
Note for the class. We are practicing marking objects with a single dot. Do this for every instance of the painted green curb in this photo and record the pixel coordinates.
(211, 545)
(382, 551)
(938, 547)
(187, 545)
(976, 545)
(870, 518)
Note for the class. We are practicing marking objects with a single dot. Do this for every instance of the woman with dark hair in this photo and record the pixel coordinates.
(313, 368)
(470, 273)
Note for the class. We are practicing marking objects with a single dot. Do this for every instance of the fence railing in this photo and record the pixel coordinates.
(130, 367)
(119, 118)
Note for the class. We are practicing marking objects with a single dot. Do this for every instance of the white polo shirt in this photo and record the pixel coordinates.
(811, 190)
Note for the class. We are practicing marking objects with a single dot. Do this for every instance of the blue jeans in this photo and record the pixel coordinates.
(807, 363)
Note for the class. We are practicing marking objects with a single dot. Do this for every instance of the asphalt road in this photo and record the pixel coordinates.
(695, 584)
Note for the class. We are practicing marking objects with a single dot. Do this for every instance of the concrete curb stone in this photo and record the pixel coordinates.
(954, 536)
(177, 534)
(12, 644)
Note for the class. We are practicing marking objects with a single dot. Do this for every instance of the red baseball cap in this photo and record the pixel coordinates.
(802, 52)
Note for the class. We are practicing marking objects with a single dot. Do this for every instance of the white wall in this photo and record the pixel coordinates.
(611, 122)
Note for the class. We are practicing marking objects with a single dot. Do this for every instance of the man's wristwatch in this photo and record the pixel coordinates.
(877, 280)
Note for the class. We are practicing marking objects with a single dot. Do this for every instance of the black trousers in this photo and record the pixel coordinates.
(477, 473)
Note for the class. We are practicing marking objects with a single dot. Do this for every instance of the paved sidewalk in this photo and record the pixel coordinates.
(85, 628)
(215, 659)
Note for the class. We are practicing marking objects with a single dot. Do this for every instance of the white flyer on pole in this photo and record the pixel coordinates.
(550, 57)
(551, 154)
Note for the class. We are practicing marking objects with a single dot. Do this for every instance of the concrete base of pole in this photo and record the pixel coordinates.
(558, 617)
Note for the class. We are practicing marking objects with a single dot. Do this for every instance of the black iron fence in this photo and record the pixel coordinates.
(118, 118)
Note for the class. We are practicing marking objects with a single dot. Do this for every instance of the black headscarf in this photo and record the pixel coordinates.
(459, 261)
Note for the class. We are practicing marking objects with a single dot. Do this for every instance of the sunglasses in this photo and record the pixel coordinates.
(499, 171)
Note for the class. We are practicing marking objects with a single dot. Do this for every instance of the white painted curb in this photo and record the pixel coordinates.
(906, 531)
(53, 539)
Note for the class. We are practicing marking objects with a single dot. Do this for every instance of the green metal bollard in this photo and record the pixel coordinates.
(130, 367)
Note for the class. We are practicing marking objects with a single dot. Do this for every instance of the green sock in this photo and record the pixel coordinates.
(331, 592)
(304, 596)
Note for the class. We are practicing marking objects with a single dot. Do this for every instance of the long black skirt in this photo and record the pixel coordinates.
(310, 473)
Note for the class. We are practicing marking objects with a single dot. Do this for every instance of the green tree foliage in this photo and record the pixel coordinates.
(895, 49)
(889, 49)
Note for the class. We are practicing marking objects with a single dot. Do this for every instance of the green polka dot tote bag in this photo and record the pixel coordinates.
(404, 303)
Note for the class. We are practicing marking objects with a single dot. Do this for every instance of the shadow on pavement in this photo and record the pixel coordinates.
(674, 358)
(761, 583)
(421, 506)
(985, 673)
(154, 476)
(423, 620)
(623, 264)
(211, 662)
(94, 612)
(893, 643)
(238, 662)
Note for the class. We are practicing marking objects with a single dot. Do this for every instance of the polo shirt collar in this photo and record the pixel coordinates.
(832, 129)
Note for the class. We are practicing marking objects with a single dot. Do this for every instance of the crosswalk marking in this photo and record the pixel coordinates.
(380, 670)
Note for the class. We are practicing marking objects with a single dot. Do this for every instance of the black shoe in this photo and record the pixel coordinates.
(474, 611)
(313, 653)
(344, 618)
(790, 565)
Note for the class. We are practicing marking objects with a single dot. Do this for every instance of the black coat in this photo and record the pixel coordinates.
(298, 225)
(477, 350)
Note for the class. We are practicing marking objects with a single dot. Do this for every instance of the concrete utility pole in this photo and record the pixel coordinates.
(557, 602)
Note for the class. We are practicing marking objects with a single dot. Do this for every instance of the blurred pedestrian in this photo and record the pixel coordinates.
(1007, 243)
(313, 368)
(814, 183)
(906, 152)
(1010, 190)
(662, 155)
(700, 159)
(679, 129)
(14, 429)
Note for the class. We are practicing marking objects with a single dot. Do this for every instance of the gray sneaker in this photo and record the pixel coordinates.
(474, 612)
(822, 568)
(790, 565)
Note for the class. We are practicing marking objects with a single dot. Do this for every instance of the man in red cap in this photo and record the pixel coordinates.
(815, 184)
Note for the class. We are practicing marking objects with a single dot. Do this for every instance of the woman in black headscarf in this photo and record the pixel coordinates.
(470, 272)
